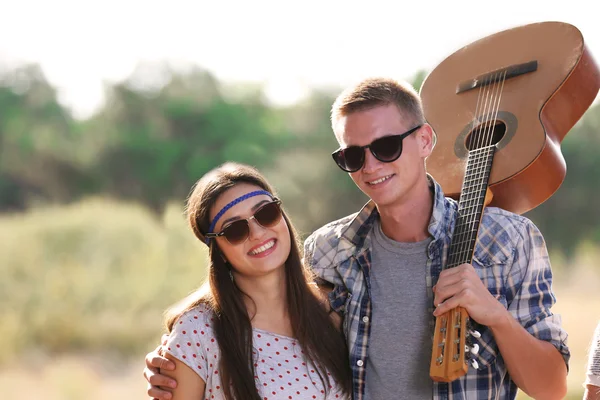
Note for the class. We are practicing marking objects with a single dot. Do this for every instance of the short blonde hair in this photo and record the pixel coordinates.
(374, 92)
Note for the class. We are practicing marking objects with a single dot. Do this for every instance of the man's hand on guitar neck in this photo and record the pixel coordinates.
(461, 286)
(536, 366)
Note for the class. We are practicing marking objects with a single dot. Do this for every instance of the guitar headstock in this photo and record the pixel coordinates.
(449, 355)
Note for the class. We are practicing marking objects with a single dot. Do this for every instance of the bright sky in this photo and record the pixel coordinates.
(289, 45)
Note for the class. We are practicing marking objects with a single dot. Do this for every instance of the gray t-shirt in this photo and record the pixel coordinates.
(400, 341)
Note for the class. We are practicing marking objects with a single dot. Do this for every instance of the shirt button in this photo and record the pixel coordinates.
(365, 319)
(359, 363)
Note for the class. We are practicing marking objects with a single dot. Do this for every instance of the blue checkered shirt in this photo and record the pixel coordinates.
(510, 257)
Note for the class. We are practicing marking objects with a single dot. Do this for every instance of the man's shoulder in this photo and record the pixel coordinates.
(493, 217)
(332, 231)
(505, 219)
(509, 228)
(325, 247)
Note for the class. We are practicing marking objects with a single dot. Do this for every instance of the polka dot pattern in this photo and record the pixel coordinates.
(282, 371)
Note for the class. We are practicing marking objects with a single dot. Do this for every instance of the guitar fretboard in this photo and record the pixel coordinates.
(470, 206)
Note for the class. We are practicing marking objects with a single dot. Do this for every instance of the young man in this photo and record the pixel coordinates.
(384, 266)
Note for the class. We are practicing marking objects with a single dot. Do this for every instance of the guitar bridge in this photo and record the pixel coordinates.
(491, 77)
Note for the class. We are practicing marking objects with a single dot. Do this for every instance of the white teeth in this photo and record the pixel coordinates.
(385, 178)
(262, 248)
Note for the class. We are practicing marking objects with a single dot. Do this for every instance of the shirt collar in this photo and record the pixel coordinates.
(360, 226)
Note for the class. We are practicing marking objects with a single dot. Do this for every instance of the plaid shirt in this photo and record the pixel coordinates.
(510, 257)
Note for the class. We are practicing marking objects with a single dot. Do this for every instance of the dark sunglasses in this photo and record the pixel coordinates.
(386, 149)
(236, 232)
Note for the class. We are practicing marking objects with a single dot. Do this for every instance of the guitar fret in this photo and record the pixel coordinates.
(462, 255)
(468, 181)
(469, 208)
(480, 170)
(477, 163)
(472, 187)
(460, 237)
(470, 196)
(467, 216)
(479, 158)
(465, 241)
(469, 225)
(476, 176)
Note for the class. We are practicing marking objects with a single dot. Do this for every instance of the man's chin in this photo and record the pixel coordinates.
(382, 199)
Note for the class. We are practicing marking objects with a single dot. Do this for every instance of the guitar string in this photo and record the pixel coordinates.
(465, 236)
(459, 237)
(481, 167)
(452, 257)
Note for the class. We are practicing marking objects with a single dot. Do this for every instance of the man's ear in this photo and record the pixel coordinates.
(426, 138)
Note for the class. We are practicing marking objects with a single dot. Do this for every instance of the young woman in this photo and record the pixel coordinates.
(258, 329)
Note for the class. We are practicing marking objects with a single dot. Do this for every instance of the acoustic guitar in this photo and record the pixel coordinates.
(500, 108)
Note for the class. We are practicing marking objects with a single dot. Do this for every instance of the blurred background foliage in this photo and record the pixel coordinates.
(150, 143)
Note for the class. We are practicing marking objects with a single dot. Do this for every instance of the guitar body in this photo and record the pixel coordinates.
(536, 110)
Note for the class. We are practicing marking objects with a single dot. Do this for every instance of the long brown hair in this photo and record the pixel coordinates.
(321, 342)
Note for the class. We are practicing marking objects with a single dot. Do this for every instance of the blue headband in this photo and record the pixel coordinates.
(231, 204)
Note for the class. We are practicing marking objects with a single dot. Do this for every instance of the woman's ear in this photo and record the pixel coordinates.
(218, 250)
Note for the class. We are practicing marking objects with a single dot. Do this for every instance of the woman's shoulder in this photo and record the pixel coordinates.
(192, 341)
(192, 334)
(199, 319)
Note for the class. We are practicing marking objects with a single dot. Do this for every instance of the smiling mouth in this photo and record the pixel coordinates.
(380, 180)
(263, 248)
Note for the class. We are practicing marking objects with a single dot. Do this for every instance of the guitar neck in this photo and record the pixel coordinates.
(470, 206)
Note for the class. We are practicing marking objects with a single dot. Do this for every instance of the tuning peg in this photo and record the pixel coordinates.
(475, 334)
(473, 350)
(475, 364)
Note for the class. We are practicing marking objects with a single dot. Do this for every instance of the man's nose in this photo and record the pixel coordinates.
(371, 163)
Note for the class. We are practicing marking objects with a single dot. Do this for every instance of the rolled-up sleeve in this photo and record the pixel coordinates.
(315, 258)
(531, 279)
(319, 256)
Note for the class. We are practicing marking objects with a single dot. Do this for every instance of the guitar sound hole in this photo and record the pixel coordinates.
(480, 136)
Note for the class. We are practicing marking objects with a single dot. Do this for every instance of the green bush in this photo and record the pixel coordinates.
(93, 276)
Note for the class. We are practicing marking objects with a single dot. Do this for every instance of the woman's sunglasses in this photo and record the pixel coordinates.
(236, 232)
(386, 149)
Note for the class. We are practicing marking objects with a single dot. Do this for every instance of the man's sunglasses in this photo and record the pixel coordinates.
(236, 232)
(386, 149)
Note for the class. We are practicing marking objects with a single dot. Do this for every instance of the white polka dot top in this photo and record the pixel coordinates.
(282, 371)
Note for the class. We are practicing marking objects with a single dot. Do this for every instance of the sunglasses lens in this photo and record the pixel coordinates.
(387, 149)
(268, 215)
(236, 232)
(350, 159)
